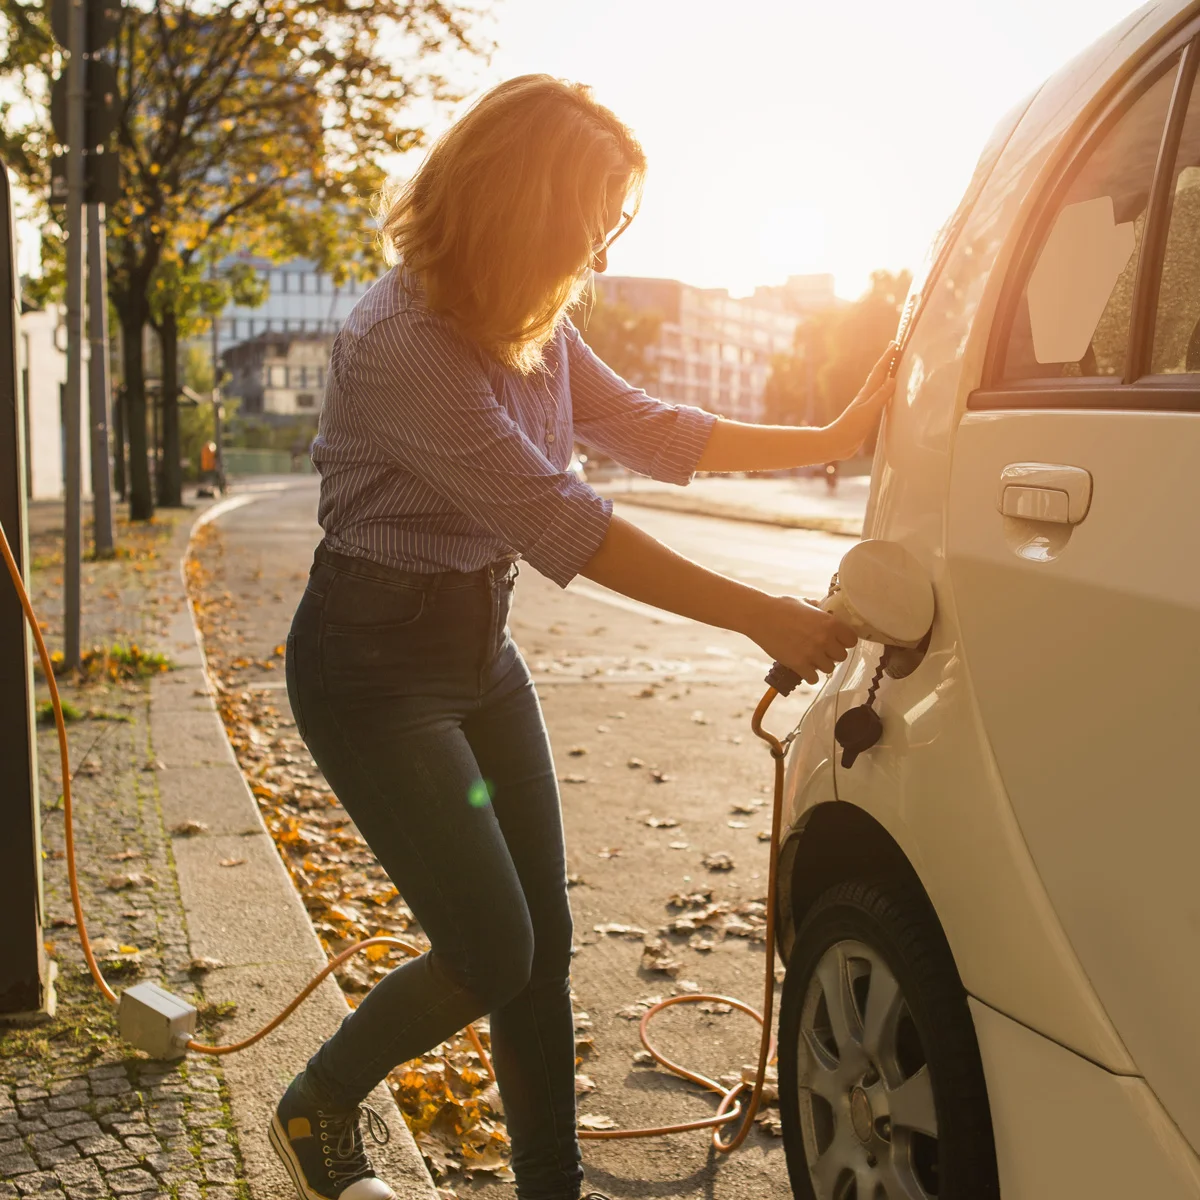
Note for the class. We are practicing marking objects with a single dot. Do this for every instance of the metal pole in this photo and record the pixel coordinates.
(73, 408)
(99, 387)
(216, 403)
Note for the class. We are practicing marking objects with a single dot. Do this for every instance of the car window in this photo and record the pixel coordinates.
(1177, 321)
(1073, 315)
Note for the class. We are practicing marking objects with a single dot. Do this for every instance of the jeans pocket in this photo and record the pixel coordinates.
(293, 689)
(357, 604)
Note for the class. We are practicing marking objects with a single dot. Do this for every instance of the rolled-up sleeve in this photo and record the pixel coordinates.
(661, 440)
(426, 394)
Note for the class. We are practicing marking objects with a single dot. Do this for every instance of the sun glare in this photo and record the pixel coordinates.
(789, 138)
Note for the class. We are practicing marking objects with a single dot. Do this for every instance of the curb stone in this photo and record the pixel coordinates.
(839, 526)
(250, 917)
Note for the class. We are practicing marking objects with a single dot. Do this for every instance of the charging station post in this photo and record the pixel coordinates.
(26, 990)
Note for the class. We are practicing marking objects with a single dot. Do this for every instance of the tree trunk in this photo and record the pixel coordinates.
(133, 321)
(171, 490)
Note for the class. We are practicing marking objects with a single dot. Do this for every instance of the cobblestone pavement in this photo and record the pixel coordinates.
(83, 1116)
(129, 1128)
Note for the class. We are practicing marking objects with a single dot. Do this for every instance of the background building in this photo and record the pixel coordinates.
(713, 350)
(279, 375)
(802, 294)
(300, 299)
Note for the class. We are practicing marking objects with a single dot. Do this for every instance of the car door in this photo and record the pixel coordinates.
(1073, 537)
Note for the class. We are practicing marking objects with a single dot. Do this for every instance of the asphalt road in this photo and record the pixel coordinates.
(621, 682)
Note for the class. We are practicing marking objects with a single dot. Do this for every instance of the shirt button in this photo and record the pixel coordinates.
(550, 439)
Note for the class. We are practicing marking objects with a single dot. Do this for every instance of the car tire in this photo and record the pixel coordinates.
(880, 1079)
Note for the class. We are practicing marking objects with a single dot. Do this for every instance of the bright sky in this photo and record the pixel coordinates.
(793, 136)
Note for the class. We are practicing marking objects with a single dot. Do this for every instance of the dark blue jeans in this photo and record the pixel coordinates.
(420, 712)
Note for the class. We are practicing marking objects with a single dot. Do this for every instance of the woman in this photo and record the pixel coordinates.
(456, 389)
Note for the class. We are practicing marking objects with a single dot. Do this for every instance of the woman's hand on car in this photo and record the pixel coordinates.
(861, 416)
(801, 636)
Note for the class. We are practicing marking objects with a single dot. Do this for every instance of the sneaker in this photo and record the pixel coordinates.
(323, 1150)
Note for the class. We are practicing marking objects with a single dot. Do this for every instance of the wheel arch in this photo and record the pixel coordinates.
(831, 843)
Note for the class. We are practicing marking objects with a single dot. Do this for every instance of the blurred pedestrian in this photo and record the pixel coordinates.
(210, 470)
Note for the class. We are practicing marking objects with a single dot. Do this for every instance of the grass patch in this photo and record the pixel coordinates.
(45, 712)
(118, 661)
(212, 1012)
(84, 1026)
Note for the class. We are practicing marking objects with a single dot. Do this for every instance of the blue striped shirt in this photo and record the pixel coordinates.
(433, 457)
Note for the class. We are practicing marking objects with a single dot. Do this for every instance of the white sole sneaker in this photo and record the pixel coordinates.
(362, 1189)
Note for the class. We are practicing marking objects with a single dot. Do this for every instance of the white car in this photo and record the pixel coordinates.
(991, 919)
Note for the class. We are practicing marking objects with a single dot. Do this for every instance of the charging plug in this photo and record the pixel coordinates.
(783, 679)
(156, 1021)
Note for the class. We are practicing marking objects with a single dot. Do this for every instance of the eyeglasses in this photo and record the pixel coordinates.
(604, 243)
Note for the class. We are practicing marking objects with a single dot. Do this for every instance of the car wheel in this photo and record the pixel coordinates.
(881, 1088)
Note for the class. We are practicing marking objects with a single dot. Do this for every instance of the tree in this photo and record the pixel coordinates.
(860, 335)
(792, 395)
(833, 353)
(184, 300)
(622, 336)
(259, 121)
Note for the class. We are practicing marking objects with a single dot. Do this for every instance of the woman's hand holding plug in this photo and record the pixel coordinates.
(854, 426)
(801, 636)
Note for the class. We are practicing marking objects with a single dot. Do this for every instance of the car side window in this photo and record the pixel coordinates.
(1176, 347)
(1073, 314)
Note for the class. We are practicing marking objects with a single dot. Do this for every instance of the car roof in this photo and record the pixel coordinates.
(1027, 136)
(1077, 89)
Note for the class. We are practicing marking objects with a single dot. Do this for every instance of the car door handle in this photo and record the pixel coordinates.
(1050, 492)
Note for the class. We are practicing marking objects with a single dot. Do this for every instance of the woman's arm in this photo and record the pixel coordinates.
(800, 636)
(661, 440)
(733, 446)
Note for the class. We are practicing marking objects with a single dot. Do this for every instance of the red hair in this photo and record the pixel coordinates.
(501, 220)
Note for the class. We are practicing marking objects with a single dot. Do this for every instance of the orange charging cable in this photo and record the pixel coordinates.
(730, 1107)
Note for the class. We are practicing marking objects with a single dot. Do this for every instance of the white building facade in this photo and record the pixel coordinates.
(300, 299)
(713, 351)
(43, 366)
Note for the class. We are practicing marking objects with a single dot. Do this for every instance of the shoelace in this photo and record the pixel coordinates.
(349, 1147)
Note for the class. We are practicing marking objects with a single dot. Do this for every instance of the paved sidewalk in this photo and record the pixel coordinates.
(244, 913)
(83, 1116)
(792, 502)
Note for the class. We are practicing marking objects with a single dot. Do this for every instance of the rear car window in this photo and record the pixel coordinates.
(1073, 315)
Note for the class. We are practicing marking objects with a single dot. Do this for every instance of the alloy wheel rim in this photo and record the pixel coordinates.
(867, 1112)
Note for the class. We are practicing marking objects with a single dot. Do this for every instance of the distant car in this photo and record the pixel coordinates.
(991, 920)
